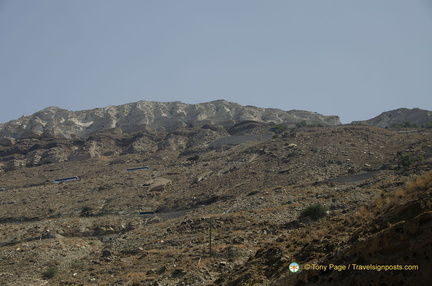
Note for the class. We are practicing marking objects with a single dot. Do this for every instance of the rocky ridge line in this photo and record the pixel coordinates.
(55, 122)
(417, 116)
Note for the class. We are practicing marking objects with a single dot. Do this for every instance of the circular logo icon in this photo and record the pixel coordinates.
(294, 267)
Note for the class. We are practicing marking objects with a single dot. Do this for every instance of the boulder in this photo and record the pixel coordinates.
(158, 184)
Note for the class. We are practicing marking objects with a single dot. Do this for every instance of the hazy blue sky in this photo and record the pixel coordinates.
(354, 59)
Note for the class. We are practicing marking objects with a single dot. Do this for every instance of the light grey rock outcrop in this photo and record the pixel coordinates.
(142, 115)
(157, 184)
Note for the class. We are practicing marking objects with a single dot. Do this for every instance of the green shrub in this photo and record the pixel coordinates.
(409, 124)
(406, 124)
(278, 128)
(315, 125)
(405, 161)
(315, 211)
(50, 272)
(301, 124)
(408, 160)
(419, 159)
(194, 158)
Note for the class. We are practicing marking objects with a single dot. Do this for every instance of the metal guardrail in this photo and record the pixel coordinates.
(145, 213)
(138, 168)
(57, 181)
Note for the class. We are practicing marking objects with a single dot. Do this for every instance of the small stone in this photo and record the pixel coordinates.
(106, 253)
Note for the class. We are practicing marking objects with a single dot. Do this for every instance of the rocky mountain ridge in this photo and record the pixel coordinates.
(213, 201)
(138, 116)
(401, 116)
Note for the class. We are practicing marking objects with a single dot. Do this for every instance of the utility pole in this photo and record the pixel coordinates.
(210, 244)
(368, 143)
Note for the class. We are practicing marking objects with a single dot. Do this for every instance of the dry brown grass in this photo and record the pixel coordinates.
(397, 197)
(362, 214)
(381, 201)
(421, 183)
(385, 200)
(135, 278)
(320, 233)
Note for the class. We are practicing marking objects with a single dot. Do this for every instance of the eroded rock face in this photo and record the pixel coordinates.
(7, 141)
(145, 115)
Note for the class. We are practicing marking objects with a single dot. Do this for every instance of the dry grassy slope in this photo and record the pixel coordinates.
(91, 230)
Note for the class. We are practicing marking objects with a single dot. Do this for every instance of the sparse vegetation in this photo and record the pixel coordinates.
(405, 161)
(301, 124)
(278, 128)
(419, 159)
(51, 272)
(408, 160)
(407, 124)
(76, 262)
(234, 252)
(194, 158)
(315, 211)
(421, 183)
(315, 125)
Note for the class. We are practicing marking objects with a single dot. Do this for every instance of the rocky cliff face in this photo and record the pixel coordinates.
(417, 116)
(127, 118)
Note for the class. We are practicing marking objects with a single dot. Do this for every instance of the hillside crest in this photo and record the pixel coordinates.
(415, 117)
(61, 123)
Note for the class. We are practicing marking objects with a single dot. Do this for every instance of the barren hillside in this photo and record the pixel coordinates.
(218, 205)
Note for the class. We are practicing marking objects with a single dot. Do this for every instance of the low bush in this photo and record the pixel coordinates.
(407, 124)
(315, 211)
(301, 124)
(408, 160)
(278, 128)
(194, 158)
(50, 272)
